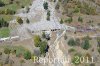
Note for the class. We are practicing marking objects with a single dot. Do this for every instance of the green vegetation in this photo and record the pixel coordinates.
(71, 50)
(48, 18)
(21, 62)
(18, 51)
(48, 15)
(71, 42)
(98, 41)
(43, 47)
(76, 10)
(3, 23)
(65, 36)
(7, 50)
(43, 35)
(99, 50)
(19, 20)
(92, 64)
(86, 44)
(1, 64)
(74, 42)
(1, 3)
(27, 21)
(16, 4)
(77, 41)
(76, 59)
(98, 45)
(88, 10)
(27, 9)
(61, 21)
(37, 40)
(7, 18)
(40, 43)
(4, 32)
(54, 0)
(87, 55)
(78, 7)
(27, 55)
(33, 58)
(7, 12)
(45, 5)
(9, 7)
(87, 38)
(80, 19)
(57, 6)
(0, 53)
(69, 20)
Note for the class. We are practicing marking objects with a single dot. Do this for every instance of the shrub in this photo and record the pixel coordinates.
(1, 3)
(34, 58)
(48, 15)
(61, 21)
(71, 50)
(13, 51)
(99, 50)
(27, 21)
(3, 23)
(43, 47)
(71, 42)
(8, 11)
(27, 9)
(7, 50)
(80, 19)
(54, 0)
(85, 44)
(92, 64)
(86, 9)
(0, 53)
(76, 10)
(22, 6)
(65, 36)
(69, 20)
(27, 55)
(87, 38)
(45, 5)
(43, 35)
(19, 20)
(88, 56)
(98, 41)
(76, 59)
(19, 50)
(1, 63)
(22, 61)
(77, 42)
(57, 6)
(19, 53)
(98, 24)
(37, 40)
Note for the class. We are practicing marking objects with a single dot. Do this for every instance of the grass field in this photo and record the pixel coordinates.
(4, 32)
(19, 50)
(17, 4)
(7, 17)
(14, 6)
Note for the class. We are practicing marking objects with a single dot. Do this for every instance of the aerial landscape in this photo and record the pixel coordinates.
(49, 32)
